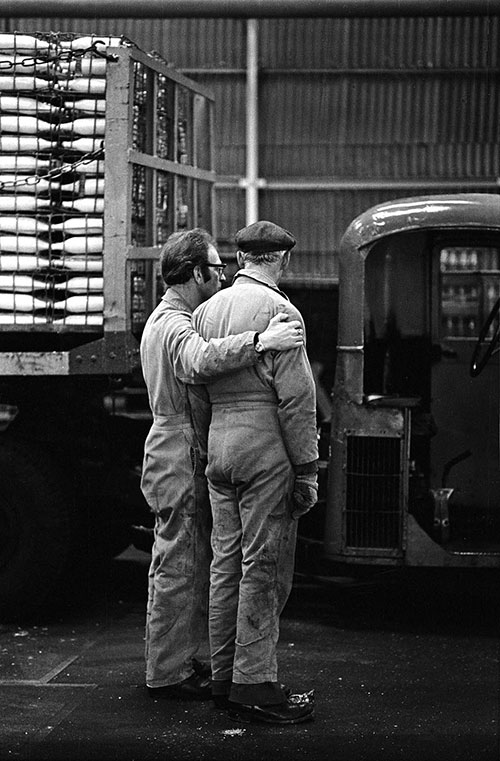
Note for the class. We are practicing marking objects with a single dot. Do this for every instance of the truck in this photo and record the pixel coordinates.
(105, 150)
(412, 476)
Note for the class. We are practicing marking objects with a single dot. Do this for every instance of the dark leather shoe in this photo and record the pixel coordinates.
(283, 713)
(223, 702)
(201, 668)
(195, 687)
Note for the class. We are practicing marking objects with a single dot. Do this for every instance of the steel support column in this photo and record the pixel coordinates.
(251, 181)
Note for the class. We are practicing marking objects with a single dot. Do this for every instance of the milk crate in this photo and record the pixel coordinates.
(105, 150)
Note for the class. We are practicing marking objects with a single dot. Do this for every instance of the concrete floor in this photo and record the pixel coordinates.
(401, 671)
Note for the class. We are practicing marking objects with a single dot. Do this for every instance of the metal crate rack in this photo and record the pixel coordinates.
(105, 151)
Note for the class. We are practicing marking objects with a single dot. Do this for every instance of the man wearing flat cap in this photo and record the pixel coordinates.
(263, 237)
(262, 475)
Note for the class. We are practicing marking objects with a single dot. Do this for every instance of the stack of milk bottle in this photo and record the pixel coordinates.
(52, 119)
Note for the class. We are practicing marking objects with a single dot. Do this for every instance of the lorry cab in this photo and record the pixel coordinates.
(414, 469)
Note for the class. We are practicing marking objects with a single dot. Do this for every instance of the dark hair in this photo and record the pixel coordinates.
(182, 252)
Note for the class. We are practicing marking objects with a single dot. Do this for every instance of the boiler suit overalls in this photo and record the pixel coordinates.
(174, 485)
(263, 423)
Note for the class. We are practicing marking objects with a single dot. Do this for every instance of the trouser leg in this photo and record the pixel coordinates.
(225, 575)
(268, 543)
(250, 479)
(176, 622)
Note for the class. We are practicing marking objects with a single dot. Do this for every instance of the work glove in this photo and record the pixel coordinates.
(305, 494)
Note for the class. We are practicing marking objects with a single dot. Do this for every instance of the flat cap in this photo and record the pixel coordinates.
(263, 236)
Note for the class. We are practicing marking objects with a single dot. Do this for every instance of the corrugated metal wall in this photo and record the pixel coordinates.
(364, 110)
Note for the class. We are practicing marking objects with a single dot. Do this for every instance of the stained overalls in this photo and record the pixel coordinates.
(174, 485)
(263, 423)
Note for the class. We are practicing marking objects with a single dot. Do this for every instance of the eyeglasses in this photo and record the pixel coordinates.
(219, 267)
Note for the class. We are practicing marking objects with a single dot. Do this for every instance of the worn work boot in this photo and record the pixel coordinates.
(223, 702)
(201, 668)
(195, 687)
(283, 713)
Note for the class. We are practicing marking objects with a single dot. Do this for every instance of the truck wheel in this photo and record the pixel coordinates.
(37, 531)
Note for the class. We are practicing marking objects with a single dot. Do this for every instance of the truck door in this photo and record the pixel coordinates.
(465, 447)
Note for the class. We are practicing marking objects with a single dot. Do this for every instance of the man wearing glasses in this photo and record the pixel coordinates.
(173, 481)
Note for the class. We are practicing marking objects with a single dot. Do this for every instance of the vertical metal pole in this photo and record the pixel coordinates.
(252, 115)
(117, 182)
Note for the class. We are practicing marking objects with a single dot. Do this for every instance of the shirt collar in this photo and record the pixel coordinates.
(174, 298)
(259, 277)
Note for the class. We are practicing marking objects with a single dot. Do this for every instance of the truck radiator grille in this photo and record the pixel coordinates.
(373, 492)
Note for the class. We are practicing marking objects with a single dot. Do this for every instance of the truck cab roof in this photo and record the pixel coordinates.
(452, 211)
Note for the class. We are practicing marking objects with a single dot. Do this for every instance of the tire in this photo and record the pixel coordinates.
(38, 529)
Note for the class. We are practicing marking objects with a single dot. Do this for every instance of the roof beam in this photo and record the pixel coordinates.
(89, 9)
